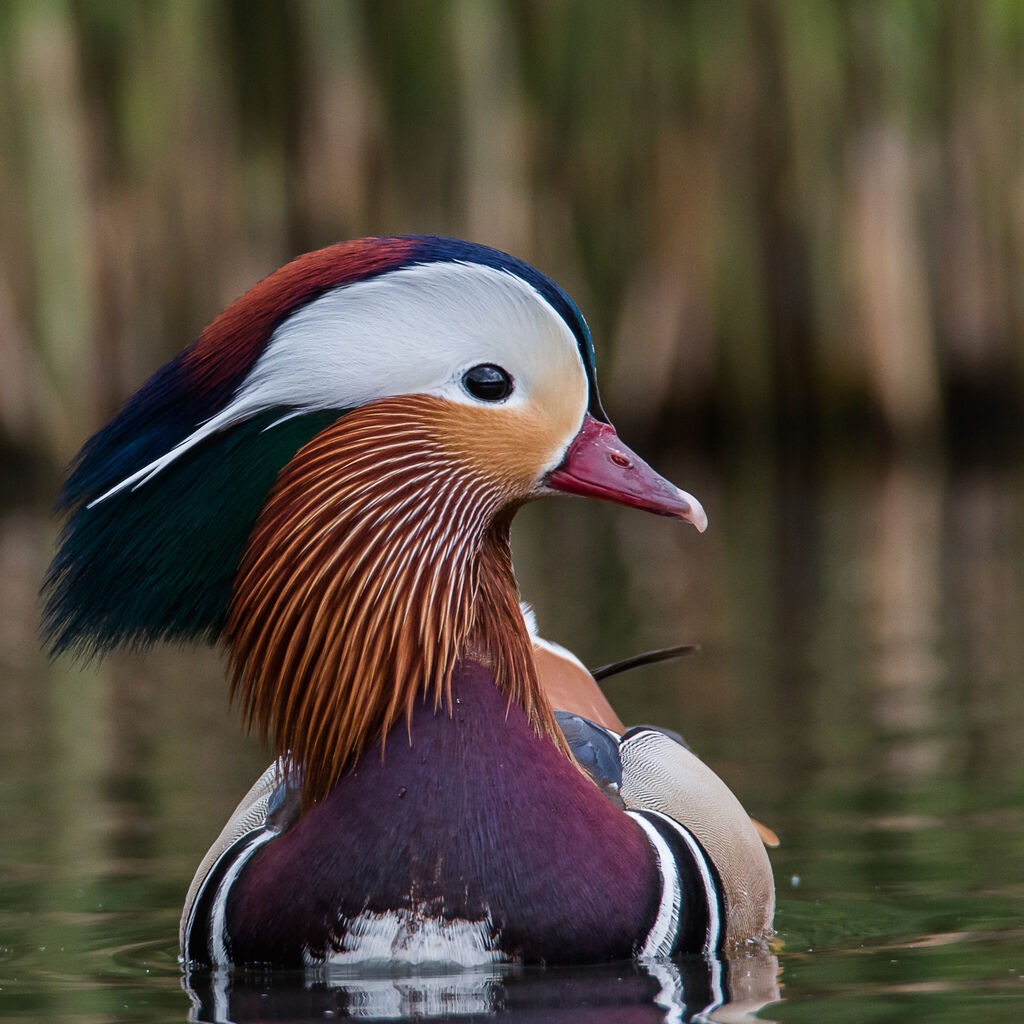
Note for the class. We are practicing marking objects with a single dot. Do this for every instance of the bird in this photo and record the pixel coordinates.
(323, 483)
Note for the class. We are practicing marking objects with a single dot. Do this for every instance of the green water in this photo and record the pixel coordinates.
(860, 687)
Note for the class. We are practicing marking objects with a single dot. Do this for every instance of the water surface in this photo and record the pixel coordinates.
(860, 686)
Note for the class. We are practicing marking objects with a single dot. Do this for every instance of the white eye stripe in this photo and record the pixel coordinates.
(412, 331)
(416, 330)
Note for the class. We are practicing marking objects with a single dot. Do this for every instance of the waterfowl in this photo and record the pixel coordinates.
(324, 482)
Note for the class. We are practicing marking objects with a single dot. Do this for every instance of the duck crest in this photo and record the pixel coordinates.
(380, 558)
(184, 467)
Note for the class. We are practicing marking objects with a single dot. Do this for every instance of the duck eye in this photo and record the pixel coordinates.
(487, 382)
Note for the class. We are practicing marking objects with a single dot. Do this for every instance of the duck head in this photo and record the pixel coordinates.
(324, 481)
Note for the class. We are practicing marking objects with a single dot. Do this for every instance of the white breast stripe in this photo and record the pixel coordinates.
(714, 932)
(218, 937)
(662, 935)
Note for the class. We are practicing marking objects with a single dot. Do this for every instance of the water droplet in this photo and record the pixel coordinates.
(795, 881)
(402, 792)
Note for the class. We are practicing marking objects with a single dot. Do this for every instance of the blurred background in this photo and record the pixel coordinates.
(797, 232)
(799, 216)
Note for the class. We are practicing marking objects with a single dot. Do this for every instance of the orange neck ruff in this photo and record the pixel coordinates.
(380, 558)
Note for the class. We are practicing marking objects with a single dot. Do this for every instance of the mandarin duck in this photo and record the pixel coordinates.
(324, 482)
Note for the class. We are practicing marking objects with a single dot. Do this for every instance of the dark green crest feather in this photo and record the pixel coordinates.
(157, 562)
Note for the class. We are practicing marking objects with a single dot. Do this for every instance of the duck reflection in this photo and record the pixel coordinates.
(687, 989)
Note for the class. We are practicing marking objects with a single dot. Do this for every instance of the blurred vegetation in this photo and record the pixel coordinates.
(799, 219)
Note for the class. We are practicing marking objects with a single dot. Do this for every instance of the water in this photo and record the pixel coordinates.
(859, 687)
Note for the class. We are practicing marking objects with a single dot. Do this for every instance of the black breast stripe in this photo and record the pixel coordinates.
(702, 914)
(198, 939)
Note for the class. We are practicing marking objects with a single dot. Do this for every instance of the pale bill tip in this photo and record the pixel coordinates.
(696, 515)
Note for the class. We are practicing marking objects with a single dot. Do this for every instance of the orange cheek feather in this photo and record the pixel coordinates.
(514, 445)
